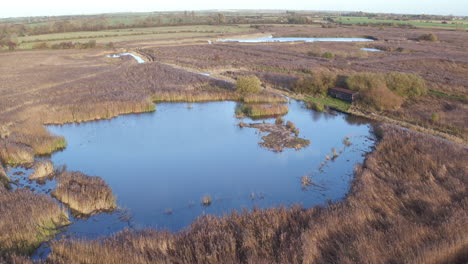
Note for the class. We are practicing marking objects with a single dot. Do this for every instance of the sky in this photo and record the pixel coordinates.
(20, 8)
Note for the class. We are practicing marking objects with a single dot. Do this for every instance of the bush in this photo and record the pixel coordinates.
(373, 91)
(406, 84)
(428, 37)
(328, 55)
(248, 85)
(317, 84)
(319, 107)
(41, 45)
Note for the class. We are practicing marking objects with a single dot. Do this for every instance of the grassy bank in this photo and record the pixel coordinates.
(330, 102)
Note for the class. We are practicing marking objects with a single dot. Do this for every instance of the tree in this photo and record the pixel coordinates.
(248, 85)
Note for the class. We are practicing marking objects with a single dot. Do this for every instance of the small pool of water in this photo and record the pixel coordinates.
(137, 58)
(272, 39)
(160, 165)
(371, 49)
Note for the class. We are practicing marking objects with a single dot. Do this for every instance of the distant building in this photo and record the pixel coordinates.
(343, 94)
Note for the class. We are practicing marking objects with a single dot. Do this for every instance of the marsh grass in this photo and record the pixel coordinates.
(4, 179)
(206, 200)
(194, 96)
(42, 170)
(15, 154)
(318, 103)
(27, 220)
(261, 110)
(85, 195)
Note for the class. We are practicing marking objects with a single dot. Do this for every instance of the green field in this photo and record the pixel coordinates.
(135, 34)
(463, 24)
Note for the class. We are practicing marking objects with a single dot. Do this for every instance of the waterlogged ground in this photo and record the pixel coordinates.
(161, 164)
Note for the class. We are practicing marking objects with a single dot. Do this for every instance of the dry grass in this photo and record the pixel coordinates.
(42, 170)
(261, 110)
(4, 180)
(27, 220)
(85, 195)
(15, 154)
(408, 204)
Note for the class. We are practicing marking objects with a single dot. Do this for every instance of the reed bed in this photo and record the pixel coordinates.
(82, 112)
(261, 110)
(15, 154)
(85, 195)
(27, 220)
(194, 96)
(407, 204)
(264, 97)
(42, 170)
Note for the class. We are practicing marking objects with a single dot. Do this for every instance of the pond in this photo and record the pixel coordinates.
(273, 39)
(160, 165)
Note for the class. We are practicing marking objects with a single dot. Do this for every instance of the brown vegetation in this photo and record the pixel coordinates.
(4, 179)
(27, 220)
(408, 204)
(261, 110)
(280, 136)
(42, 170)
(85, 195)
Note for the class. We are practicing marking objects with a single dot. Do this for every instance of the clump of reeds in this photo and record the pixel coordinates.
(265, 98)
(279, 121)
(16, 154)
(261, 110)
(85, 195)
(4, 180)
(290, 125)
(334, 153)
(42, 170)
(306, 181)
(27, 220)
(266, 110)
(346, 141)
(206, 200)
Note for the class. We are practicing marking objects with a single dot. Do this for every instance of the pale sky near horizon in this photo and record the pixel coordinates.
(21, 8)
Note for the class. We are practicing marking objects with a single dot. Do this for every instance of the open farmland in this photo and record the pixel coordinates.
(406, 202)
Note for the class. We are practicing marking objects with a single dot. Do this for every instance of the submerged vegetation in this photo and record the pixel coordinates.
(423, 211)
(84, 194)
(279, 135)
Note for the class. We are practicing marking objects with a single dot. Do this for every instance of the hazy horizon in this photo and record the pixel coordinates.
(88, 7)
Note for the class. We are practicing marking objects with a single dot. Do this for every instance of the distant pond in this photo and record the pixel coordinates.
(292, 39)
